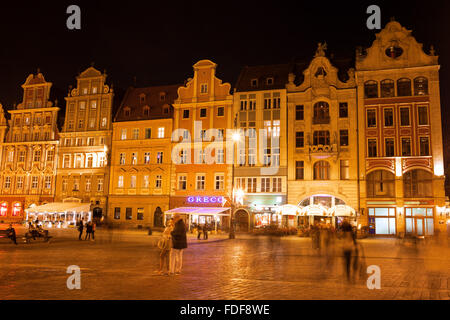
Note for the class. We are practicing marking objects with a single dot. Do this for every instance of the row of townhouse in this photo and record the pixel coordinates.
(312, 145)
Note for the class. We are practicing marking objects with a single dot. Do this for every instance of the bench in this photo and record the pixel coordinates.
(4, 235)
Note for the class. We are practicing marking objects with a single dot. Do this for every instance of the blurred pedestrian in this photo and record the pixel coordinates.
(205, 232)
(165, 245)
(179, 243)
(80, 228)
(348, 247)
(94, 226)
(12, 234)
(88, 231)
(199, 230)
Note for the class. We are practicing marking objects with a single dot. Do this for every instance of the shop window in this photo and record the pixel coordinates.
(385, 220)
(420, 86)
(17, 209)
(299, 170)
(418, 184)
(322, 170)
(387, 88)
(129, 213)
(321, 113)
(371, 89)
(380, 184)
(404, 87)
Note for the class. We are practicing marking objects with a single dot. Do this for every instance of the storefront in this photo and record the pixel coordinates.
(382, 221)
(419, 221)
(59, 214)
(215, 218)
(265, 210)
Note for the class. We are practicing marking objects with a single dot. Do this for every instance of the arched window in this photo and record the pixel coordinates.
(371, 89)
(146, 111)
(321, 113)
(421, 86)
(404, 87)
(418, 184)
(322, 170)
(380, 184)
(387, 88)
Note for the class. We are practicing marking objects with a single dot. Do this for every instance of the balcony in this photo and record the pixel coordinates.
(323, 151)
(321, 120)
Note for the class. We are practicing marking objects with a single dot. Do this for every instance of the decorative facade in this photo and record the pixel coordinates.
(29, 151)
(401, 151)
(85, 143)
(141, 157)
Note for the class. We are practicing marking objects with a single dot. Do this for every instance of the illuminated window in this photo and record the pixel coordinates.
(122, 159)
(136, 134)
(120, 182)
(3, 209)
(345, 169)
(88, 185)
(100, 182)
(7, 182)
(158, 182)
(147, 158)
(145, 182)
(140, 214)
(322, 170)
(159, 157)
(299, 170)
(19, 183)
(161, 132)
(133, 182)
(219, 181)
(200, 182)
(34, 182)
(182, 182)
(123, 135)
(134, 158)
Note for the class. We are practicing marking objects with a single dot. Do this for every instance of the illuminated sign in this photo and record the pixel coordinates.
(205, 199)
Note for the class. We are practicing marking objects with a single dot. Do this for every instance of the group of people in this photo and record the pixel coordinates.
(90, 230)
(202, 229)
(172, 243)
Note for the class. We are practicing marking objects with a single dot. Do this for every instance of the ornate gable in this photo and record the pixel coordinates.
(393, 48)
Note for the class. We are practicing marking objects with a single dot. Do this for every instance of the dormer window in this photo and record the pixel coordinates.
(204, 88)
(146, 111)
(127, 112)
(269, 81)
(254, 82)
(142, 98)
(162, 96)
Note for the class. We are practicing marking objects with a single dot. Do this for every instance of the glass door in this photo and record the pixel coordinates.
(420, 226)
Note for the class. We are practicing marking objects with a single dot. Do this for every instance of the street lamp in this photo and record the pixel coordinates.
(235, 137)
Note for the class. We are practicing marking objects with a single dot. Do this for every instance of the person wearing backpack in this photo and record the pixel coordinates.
(165, 245)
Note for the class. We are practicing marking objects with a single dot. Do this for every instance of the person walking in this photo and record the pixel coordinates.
(205, 232)
(88, 231)
(348, 247)
(199, 230)
(94, 225)
(165, 245)
(80, 228)
(179, 243)
(12, 234)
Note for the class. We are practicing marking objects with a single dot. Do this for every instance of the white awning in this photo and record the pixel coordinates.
(315, 210)
(203, 211)
(60, 207)
(342, 211)
(289, 210)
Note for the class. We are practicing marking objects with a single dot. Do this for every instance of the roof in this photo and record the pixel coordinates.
(199, 210)
(59, 207)
(137, 99)
(279, 73)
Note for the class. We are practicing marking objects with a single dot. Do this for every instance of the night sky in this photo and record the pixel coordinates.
(158, 42)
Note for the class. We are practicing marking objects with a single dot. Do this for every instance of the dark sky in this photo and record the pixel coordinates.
(159, 41)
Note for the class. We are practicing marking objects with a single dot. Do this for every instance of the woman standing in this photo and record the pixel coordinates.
(179, 243)
(165, 244)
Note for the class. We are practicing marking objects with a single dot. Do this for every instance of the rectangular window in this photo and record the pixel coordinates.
(185, 114)
(146, 182)
(182, 182)
(388, 117)
(34, 182)
(148, 133)
(299, 113)
(66, 161)
(140, 213)
(21, 156)
(134, 158)
(129, 213)
(406, 147)
(64, 185)
(343, 138)
(88, 185)
(390, 147)
(117, 213)
(100, 182)
(251, 184)
(120, 182)
(219, 182)
(200, 182)
(7, 182)
(299, 170)
(37, 156)
(265, 184)
(20, 183)
(345, 169)
(90, 142)
(404, 117)
(423, 116)
(371, 118)
(161, 132)
(122, 159)
(76, 184)
(220, 156)
(276, 185)
(343, 110)
(135, 134)
(147, 158)
(424, 146)
(158, 182)
(204, 88)
(123, 135)
(372, 148)
(203, 113)
(220, 111)
(159, 157)
(299, 140)
(133, 182)
(276, 100)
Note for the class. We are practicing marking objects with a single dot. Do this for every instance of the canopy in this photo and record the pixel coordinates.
(60, 207)
(342, 211)
(289, 210)
(204, 211)
(315, 210)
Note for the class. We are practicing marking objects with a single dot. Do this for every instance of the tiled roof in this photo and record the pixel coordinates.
(278, 72)
(136, 100)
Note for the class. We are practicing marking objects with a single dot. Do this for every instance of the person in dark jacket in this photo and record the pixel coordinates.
(12, 234)
(88, 231)
(205, 232)
(80, 229)
(179, 243)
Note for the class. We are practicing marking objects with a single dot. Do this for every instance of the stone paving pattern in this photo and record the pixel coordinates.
(120, 265)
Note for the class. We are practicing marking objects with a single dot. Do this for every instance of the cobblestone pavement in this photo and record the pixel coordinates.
(120, 265)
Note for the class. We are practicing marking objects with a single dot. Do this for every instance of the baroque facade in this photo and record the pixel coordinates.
(29, 151)
(85, 143)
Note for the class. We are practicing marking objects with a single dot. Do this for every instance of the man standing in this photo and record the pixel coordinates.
(80, 229)
(179, 242)
(12, 233)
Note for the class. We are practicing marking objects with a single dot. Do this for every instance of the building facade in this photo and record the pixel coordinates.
(85, 143)
(401, 150)
(259, 103)
(201, 171)
(141, 157)
(29, 151)
(322, 142)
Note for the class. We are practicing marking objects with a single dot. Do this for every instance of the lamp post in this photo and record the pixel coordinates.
(236, 137)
